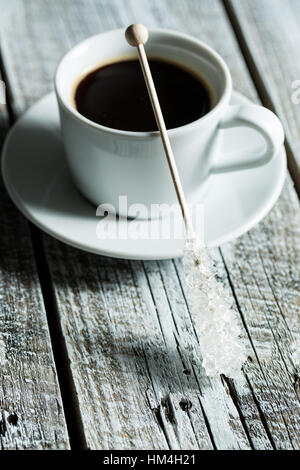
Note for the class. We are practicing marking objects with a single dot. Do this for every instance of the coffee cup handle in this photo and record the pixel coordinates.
(263, 121)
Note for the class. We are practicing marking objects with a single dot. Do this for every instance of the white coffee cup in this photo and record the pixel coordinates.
(107, 163)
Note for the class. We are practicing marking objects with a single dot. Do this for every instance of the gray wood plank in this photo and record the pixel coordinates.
(265, 275)
(270, 32)
(133, 351)
(31, 411)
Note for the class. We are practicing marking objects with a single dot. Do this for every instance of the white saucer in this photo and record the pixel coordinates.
(38, 181)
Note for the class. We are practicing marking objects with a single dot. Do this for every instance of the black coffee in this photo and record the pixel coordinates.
(115, 96)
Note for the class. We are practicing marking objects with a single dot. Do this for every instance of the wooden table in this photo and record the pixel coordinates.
(101, 353)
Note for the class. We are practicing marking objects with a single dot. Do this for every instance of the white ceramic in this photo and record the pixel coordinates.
(39, 183)
(106, 163)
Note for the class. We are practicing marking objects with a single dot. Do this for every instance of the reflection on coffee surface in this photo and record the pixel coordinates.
(115, 96)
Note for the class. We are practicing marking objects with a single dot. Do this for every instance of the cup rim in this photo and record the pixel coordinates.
(224, 98)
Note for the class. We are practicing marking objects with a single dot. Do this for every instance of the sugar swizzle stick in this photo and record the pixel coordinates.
(215, 321)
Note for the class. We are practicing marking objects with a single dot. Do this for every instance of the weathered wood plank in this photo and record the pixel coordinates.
(268, 296)
(270, 34)
(133, 351)
(31, 412)
(115, 346)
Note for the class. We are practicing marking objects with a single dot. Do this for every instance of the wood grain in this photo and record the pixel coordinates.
(134, 355)
(270, 38)
(31, 412)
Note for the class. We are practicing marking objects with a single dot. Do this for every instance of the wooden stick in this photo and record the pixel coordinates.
(137, 36)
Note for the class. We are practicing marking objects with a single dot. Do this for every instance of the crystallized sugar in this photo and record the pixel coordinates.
(215, 322)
